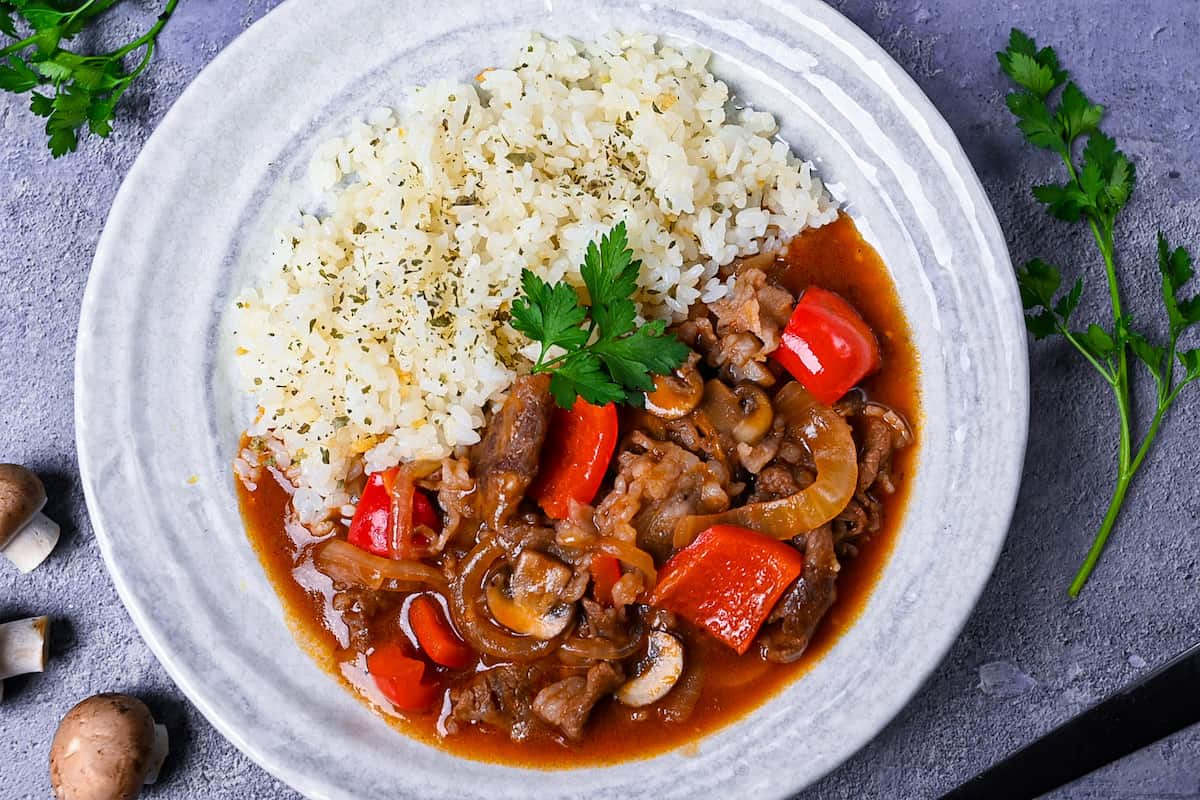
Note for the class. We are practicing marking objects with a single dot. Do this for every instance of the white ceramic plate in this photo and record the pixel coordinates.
(158, 421)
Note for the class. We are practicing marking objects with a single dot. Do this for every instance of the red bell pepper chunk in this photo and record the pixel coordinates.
(827, 345)
(434, 634)
(377, 526)
(606, 571)
(579, 445)
(727, 581)
(423, 512)
(401, 678)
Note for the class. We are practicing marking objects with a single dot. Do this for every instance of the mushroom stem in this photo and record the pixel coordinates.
(24, 646)
(30, 546)
(158, 752)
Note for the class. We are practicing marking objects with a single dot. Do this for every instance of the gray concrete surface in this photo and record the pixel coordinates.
(1137, 56)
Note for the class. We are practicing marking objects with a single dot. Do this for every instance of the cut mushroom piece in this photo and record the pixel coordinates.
(757, 411)
(24, 646)
(523, 616)
(158, 753)
(664, 665)
(675, 396)
(106, 748)
(26, 535)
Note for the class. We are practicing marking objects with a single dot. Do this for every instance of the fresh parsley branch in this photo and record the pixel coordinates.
(1097, 189)
(85, 89)
(607, 357)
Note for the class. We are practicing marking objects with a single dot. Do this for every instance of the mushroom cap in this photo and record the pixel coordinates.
(102, 749)
(21, 496)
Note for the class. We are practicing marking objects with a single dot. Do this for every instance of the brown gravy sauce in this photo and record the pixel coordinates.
(835, 257)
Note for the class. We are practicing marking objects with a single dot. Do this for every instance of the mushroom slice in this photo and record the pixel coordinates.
(664, 666)
(106, 748)
(675, 396)
(522, 616)
(26, 535)
(756, 407)
(24, 645)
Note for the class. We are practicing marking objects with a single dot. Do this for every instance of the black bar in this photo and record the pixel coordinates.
(1166, 701)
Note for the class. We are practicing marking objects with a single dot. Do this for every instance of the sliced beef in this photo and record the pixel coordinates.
(755, 306)
(357, 605)
(860, 516)
(567, 703)
(753, 457)
(507, 458)
(749, 321)
(500, 697)
(602, 622)
(524, 532)
(875, 453)
(657, 484)
(795, 617)
(774, 482)
(697, 331)
(695, 433)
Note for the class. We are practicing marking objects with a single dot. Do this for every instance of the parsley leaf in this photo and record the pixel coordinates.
(86, 88)
(1039, 283)
(1098, 342)
(17, 77)
(1036, 70)
(582, 374)
(1176, 268)
(549, 314)
(7, 26)
(611, 360)
(1148, 353)
(1076, 114)
(610, 273)
(635, 359)
(1191, 362)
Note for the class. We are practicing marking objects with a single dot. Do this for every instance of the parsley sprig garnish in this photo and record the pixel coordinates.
(610, 359)
(1097, 188)
(86, 89)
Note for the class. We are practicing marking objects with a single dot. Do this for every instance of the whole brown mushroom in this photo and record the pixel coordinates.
(106, 748)
(26, 535)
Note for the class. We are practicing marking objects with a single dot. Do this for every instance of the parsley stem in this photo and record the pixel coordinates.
(1110, 519)
(545, 366)
(83, 11)
(149, 36)
(1083, 351)
(1124, 478)
(18, 46)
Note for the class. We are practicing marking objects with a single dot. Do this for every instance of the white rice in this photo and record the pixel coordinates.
(378, 331)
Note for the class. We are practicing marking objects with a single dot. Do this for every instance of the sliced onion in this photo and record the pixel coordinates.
(480, 631)
(344, 562)
(629, 554)
(832, 446)
(401, 514)
(423, 469)
(597, 649)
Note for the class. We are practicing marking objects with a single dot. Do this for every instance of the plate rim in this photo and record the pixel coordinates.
(904, 85)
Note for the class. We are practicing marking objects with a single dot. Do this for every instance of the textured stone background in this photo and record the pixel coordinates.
(1137, 56)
